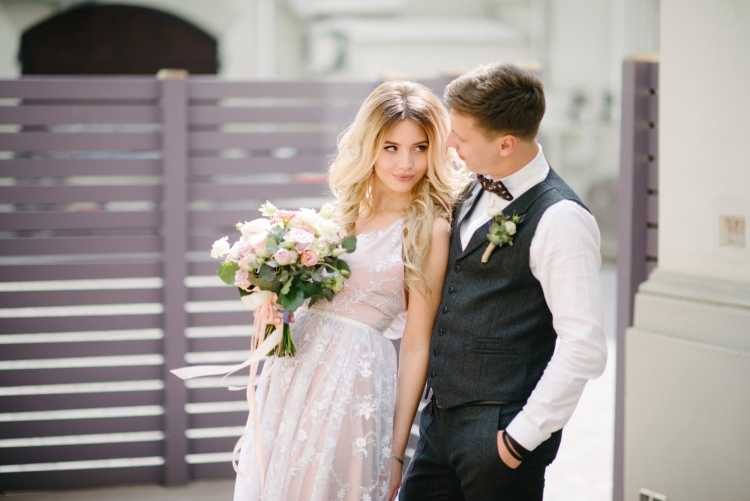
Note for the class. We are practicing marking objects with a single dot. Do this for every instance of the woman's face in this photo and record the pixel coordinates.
(402, 162)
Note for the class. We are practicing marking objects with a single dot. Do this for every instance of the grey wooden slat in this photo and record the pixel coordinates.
(78, 220)
(29, 403)
(78, 245)
(213, 115)
(216, 89)
(79, 375)
(209, 471)
(49, 141)
(208, 166)
(79, 323)
(212, 445)
(213, 218)
(260, 140)
(212, 293)
(222, 343)
(203, 267)
(28, 351)
(65, 271)
(22, 299)
(79, 89)
(54, 480)
(79, 452)
(213, 191)
(78, 193)
(218, 419)
(72, 114)
(60, 167)
(219, 318)
(199, 395)
(51, 428)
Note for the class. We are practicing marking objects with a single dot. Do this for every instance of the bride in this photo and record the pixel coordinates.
(335, 419)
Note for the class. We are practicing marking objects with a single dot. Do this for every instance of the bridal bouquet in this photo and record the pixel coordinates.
(281, 260)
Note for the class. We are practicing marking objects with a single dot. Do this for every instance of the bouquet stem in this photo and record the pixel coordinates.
(286, 347)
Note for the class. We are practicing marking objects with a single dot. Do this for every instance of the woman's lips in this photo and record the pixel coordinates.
(405, 179)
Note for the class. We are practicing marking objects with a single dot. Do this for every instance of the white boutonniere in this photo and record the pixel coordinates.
(502, 232)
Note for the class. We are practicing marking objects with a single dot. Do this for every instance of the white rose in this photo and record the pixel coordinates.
(220, 248)
(252, 301)
(510, 227)
(250, 228)
(301, 238)
(327, 211)
(268, 209)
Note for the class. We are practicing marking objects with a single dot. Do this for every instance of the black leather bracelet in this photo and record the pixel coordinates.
(506, 441)
(523, 452)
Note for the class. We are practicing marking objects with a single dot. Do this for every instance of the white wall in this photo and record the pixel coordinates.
(703, 116)
(688, 355)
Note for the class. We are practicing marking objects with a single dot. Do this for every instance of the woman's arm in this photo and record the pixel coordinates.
(415, 344)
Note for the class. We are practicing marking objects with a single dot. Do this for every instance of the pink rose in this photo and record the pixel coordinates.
(309, 258)
(285, 256)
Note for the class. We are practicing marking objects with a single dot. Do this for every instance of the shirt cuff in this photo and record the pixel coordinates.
(525, 432)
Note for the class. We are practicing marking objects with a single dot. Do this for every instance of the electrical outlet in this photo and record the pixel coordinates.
(649, 495)
(732, 231)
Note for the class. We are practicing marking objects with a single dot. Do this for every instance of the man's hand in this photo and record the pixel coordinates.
(505, 455)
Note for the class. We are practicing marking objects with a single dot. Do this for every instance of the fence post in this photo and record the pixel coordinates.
(639, 101)
(173, 84)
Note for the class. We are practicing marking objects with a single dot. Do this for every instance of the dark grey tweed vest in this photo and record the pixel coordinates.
(493, 334)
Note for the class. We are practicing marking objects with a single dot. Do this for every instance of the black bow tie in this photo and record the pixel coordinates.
(496, 187)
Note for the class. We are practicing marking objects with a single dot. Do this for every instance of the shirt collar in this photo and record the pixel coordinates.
(529, 175)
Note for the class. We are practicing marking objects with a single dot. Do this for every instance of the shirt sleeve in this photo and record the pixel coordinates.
(565, 258)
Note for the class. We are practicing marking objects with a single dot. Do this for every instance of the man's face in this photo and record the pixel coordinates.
(480, 153)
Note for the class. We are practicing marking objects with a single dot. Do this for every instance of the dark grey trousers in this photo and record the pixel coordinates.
(457, 459)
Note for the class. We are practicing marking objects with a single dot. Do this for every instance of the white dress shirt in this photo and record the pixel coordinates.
(564, 257)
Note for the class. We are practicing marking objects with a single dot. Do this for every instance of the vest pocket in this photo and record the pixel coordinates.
(502, 369)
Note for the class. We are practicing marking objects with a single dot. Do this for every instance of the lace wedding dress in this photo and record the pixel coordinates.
(327, 414)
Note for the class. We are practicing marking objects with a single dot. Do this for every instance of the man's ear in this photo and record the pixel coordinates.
(506, 145)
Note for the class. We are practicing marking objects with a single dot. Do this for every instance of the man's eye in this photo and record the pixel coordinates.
(422, 147)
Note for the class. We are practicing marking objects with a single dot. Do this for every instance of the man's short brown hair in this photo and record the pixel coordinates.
(502, 98)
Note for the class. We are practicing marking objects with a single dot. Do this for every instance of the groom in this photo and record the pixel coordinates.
(516, 337)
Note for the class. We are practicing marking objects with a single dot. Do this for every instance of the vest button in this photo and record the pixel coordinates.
(457, 267)
(441, 332)
(451, 289)
(445, 308)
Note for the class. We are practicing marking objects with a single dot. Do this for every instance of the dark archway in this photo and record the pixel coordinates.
(111, 39)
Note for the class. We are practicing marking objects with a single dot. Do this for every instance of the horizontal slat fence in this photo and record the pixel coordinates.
(111, 192)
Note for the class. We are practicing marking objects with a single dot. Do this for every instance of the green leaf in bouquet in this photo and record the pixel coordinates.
(226, 272)
(287, 286)
(311, 289)
(349, 243)
(266, 279)
(293, 299)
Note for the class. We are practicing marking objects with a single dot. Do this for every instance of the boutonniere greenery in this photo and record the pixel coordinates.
(502, 232)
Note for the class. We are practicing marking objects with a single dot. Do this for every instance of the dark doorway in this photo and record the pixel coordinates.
(113, 39)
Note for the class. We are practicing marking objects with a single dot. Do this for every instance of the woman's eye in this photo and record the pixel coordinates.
(390, 147)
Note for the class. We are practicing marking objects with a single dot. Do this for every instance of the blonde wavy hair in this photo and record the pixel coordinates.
(352, 171)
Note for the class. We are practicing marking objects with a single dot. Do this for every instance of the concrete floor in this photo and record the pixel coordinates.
(582, 470)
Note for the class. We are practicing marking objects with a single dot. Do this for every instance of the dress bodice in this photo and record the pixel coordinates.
(374, 293)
